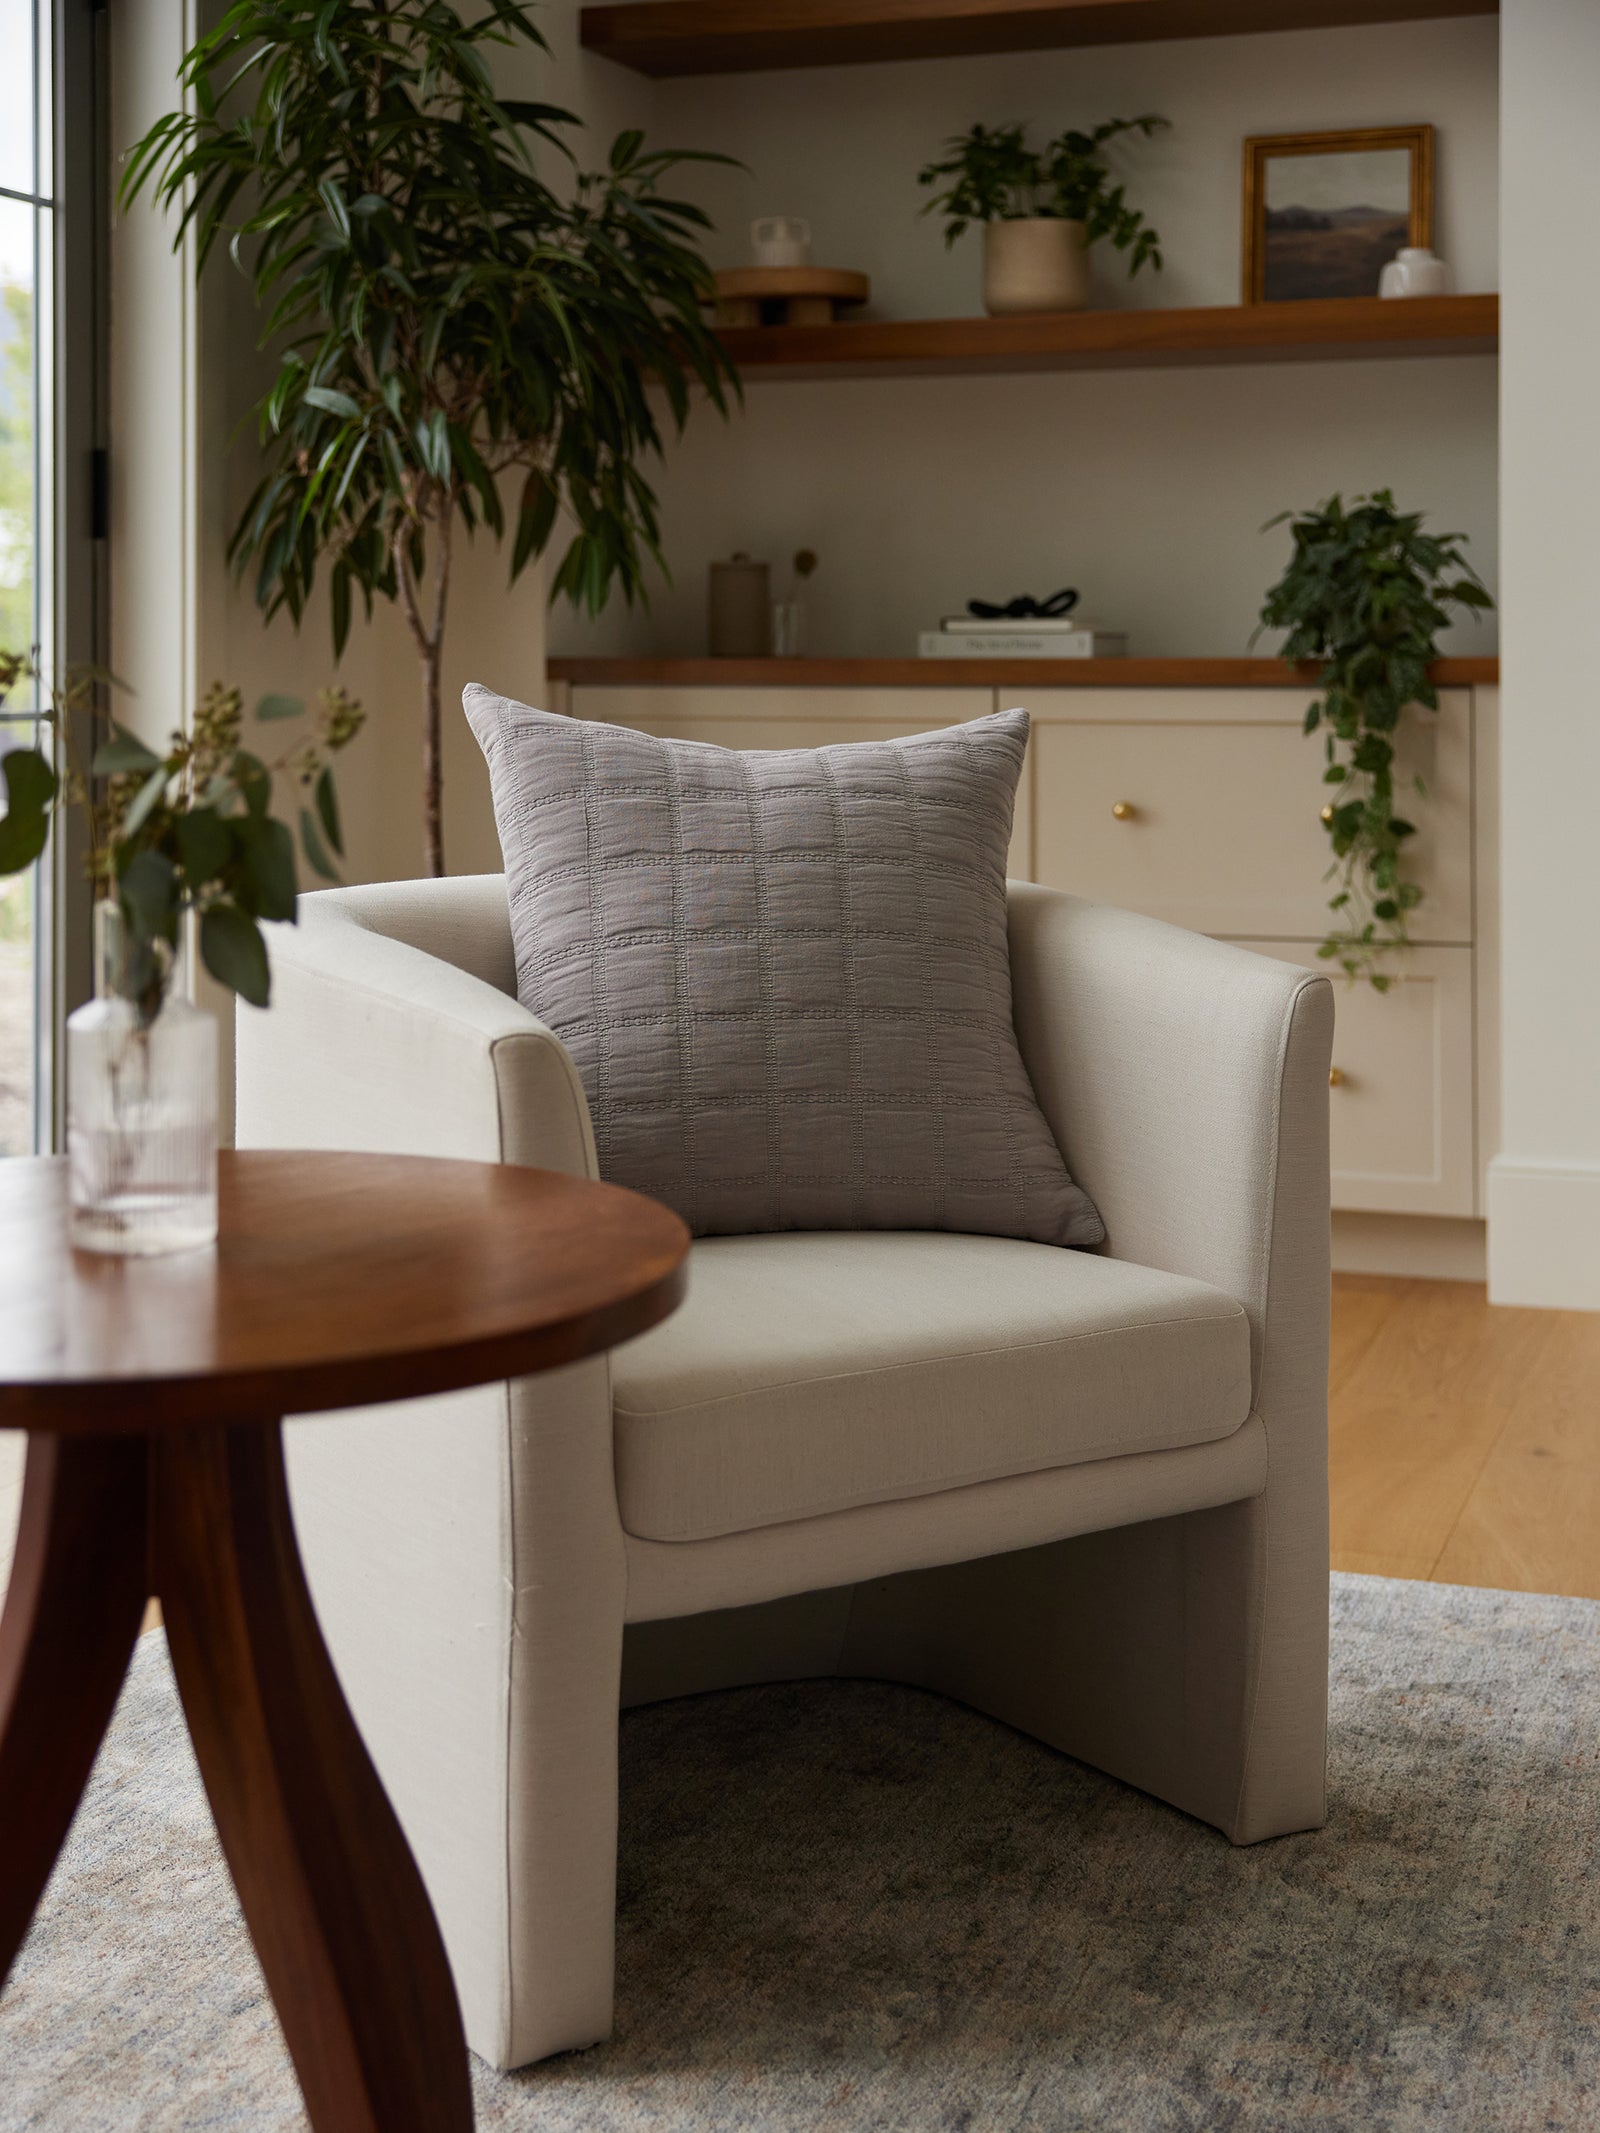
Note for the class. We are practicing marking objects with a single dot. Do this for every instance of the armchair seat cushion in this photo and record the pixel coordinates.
(811, 1373)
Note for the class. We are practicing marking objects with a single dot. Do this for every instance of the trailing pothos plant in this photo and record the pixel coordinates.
(1365, 594)
(444, 317)
(185, 828)
(994, 176)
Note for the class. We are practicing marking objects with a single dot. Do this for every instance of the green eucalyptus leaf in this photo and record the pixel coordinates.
(31, 787)
(315, 850)
(274, 707)
(149, 888)
(144, 804)
(205, 846)
(124, 753)
(234, 951)
(254, 782)
(270, 884)
(328, 811)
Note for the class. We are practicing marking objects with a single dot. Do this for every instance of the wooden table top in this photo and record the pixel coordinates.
(338, 1280)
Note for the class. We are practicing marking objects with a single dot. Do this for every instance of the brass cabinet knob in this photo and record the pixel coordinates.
(1336, 1077)
(1123, 810)
(1327, 812)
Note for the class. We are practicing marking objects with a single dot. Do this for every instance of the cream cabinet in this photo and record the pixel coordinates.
(1199, 805)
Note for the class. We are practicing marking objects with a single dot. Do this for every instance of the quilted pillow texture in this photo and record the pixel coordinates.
(783, 976)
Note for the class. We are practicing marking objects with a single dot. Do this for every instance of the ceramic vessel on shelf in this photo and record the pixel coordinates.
(739, 616)
(1037, 263)
(780, 241)
(1414, 272)
(141, 1104)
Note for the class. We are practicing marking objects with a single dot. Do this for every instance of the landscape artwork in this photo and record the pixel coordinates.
(1325, 219)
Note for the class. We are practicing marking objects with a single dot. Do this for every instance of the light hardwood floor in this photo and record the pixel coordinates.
(1465, 1440)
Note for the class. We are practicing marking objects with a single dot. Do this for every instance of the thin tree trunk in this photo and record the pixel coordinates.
(432, 767)
(430, 650)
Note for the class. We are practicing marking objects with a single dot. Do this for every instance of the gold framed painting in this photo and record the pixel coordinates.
(1325, 212)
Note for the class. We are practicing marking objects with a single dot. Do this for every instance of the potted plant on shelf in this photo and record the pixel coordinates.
(1040, 211)
(1366, 593)
(445, 320)
(181, 841)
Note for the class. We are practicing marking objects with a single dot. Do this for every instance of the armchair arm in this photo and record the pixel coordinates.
(1187, 1082)
(376, 1040)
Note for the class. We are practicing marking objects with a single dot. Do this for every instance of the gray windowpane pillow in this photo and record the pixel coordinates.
(783, 976)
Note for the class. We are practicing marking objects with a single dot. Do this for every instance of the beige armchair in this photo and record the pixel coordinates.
(1086, 1493)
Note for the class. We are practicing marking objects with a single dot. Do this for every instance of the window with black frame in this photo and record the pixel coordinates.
(48, 298)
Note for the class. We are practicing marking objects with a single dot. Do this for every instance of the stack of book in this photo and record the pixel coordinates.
(1034, 637)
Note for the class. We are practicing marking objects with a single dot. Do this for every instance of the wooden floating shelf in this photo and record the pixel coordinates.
(972, 673)
(1327, 329)
(671, 37)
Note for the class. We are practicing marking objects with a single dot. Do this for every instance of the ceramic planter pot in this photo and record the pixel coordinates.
(1037, 264)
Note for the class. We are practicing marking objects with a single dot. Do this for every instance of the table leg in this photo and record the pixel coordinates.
(333, 1899)
(72, 1613)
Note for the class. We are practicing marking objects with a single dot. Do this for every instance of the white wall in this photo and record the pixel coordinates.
(1145, 489)
(1544, 1191)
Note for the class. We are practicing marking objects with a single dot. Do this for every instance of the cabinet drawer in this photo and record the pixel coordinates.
(1221, 832)
(1401, 1112)
(804, 718)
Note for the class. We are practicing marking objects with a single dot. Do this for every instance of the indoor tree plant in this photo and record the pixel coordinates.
(444, 317)
(1040, 210)
(1365, 594)
(179, 839)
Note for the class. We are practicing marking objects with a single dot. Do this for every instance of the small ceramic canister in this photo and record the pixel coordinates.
(740, 609)
(780, 241)
(1414, 272)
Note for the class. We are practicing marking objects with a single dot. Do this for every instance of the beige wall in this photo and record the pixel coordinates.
(1145, 489)
(1544, 1197)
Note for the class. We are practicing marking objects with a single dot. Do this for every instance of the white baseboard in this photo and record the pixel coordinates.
(1544, 1235)
(1426, 1247)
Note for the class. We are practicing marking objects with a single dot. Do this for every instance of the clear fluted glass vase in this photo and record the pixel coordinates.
(141, 1103)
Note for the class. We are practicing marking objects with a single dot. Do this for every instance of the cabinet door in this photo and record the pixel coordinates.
(1201, 807)
(802, 718)
(1401, 1105)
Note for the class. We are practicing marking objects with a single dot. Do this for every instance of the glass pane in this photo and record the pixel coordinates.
(16, 1014)
(17, 97)
(21, 475)
(18, 429)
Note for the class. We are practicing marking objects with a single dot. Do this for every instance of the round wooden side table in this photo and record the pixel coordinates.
(152, 1392)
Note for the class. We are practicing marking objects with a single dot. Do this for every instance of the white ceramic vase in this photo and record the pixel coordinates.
(1040, 263)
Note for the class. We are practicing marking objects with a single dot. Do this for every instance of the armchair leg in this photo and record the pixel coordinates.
(1187, 1656)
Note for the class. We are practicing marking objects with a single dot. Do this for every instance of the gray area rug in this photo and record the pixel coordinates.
(848, 1906)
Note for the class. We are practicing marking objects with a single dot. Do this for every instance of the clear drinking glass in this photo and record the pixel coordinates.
(141, 1110)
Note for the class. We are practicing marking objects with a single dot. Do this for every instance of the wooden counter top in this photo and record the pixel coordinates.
(971, 673)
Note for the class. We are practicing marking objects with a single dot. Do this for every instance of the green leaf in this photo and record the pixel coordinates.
(144, 804)
(254, 781)
(31, 787)
(271, 707)
(123, 753)
(233, 950)
(149, 889)
(315, 851)
(267, 851)
(205, 846)
(332, 402)
(328, 811)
